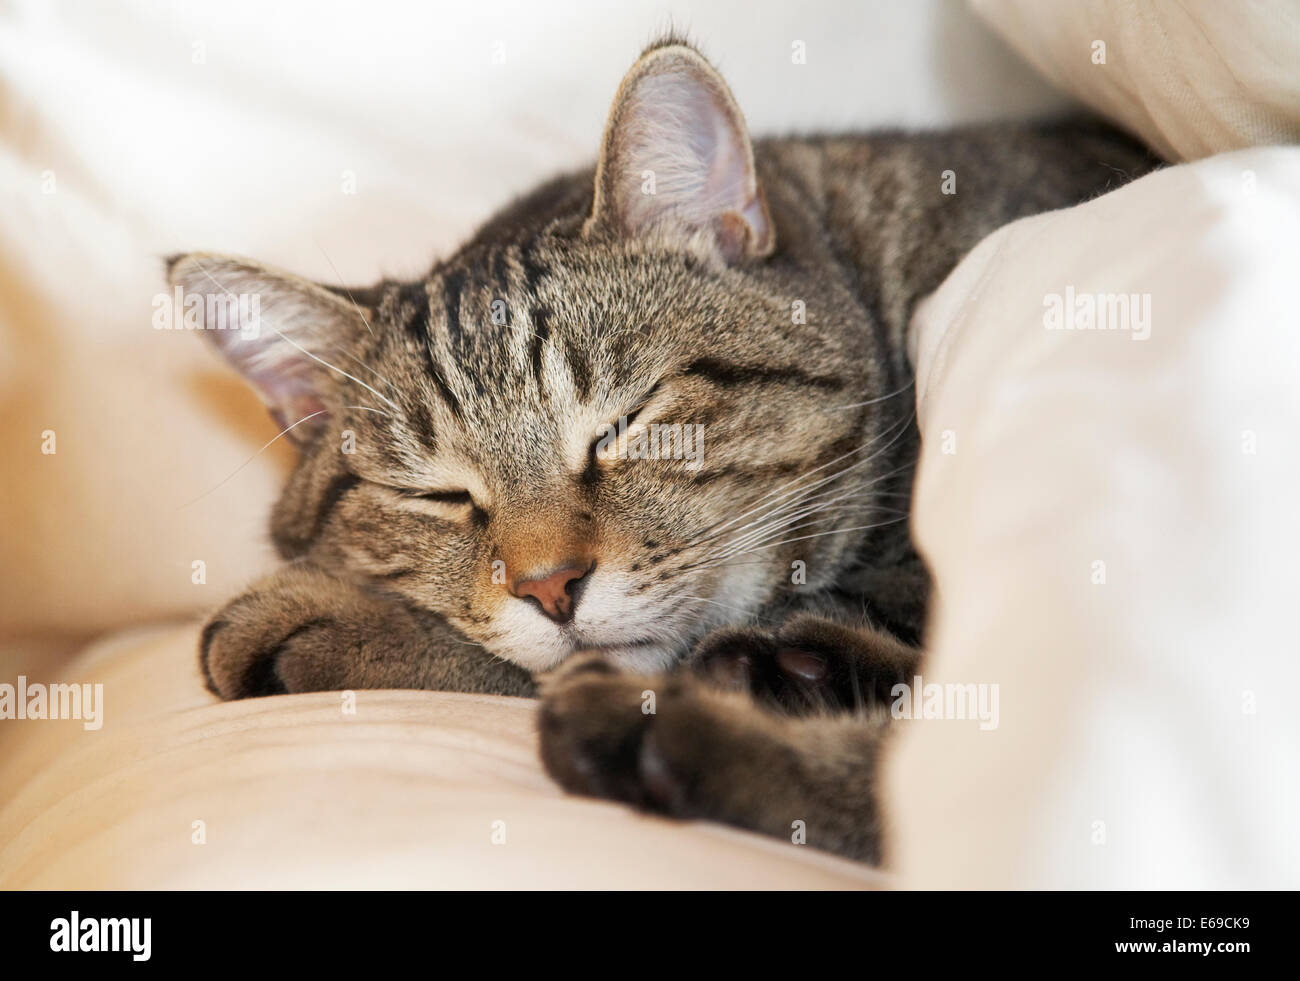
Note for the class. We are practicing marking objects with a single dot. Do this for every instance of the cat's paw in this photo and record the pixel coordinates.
(298, 630)
(248, 652)
(809, 664)
(591, 722)
(304, 630)
(667, 743)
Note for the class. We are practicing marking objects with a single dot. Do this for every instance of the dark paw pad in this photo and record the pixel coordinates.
(591, 723)
(795, 668)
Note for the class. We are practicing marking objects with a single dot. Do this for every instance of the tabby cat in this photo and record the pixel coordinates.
(491, 482)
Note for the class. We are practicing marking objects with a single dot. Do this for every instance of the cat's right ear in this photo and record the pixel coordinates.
(281, 332)
(676, 154)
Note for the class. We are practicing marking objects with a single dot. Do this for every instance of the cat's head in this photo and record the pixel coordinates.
(455, 432)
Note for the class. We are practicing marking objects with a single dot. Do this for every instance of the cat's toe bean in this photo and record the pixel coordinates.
(660, 781)
(730, 669)
(590, 725)
(789, 674)
(805, 666)
(730, 658)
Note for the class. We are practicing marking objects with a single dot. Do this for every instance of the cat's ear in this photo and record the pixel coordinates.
(281, 332)
(676, 153)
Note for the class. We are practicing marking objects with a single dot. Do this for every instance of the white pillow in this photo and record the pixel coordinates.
(1112, 526)
(1191, 77)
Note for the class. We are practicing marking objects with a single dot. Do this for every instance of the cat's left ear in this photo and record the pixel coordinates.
(284, 334)
(676, 153)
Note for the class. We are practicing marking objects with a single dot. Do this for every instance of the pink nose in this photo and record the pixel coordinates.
(555, 592)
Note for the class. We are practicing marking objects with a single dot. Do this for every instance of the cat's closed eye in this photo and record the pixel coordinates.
(457, 499)
(441, 496)
(599, 449)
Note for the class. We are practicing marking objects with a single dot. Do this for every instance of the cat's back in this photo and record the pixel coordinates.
(1048, 160)
(898, 209)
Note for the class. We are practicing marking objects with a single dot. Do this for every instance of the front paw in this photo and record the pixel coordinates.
(808, 665)
(592, 721)
(303, 630)
(298, 630)
(244, 655)
(666, 744)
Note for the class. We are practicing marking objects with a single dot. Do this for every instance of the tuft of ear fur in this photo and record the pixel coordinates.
(676, 153)
(284, 334)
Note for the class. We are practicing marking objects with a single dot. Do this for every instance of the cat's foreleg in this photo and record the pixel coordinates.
(304, 629)
(810, 664)
(678, 745)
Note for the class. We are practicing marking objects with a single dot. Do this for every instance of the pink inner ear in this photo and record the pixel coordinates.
(728, 177)
(299, 418)
(284, 377)
(678, 127)
(303, 411)
(278, 331)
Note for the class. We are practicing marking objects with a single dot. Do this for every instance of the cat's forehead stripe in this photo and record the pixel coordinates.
(533, 269)
(452, 284)
(541, 317)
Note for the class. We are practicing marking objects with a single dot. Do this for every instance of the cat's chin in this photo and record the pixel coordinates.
(645, 655)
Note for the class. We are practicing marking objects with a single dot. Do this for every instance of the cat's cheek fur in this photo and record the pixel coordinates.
(641, 629)
(519, 633)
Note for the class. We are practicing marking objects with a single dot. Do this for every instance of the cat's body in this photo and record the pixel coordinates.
(686, 282)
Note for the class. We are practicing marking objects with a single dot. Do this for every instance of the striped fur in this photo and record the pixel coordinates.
(772, 312)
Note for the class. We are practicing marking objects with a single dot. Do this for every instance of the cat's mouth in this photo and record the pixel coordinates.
(638, 654)
(582, 647)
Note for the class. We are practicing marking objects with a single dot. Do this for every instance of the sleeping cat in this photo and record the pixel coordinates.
(494, 480)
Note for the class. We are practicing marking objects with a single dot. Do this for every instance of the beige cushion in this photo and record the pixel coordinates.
(1191, 77)
(294, 793)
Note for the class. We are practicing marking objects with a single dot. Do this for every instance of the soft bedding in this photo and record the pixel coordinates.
(1108, 517)
(407, 790)
(1191, 77)
(1137, 630)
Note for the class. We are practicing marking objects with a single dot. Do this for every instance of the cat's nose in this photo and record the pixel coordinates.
(558, 592)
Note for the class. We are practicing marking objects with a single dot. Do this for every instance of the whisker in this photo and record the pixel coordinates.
(354, 378)
(343, 286)
(765, 502)
(882, 398)
(291, 342)
(820, 516)
(761, 544)
(253, 457)
(837, 531)
(725, 606)
(797, 509)
(282, 432)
